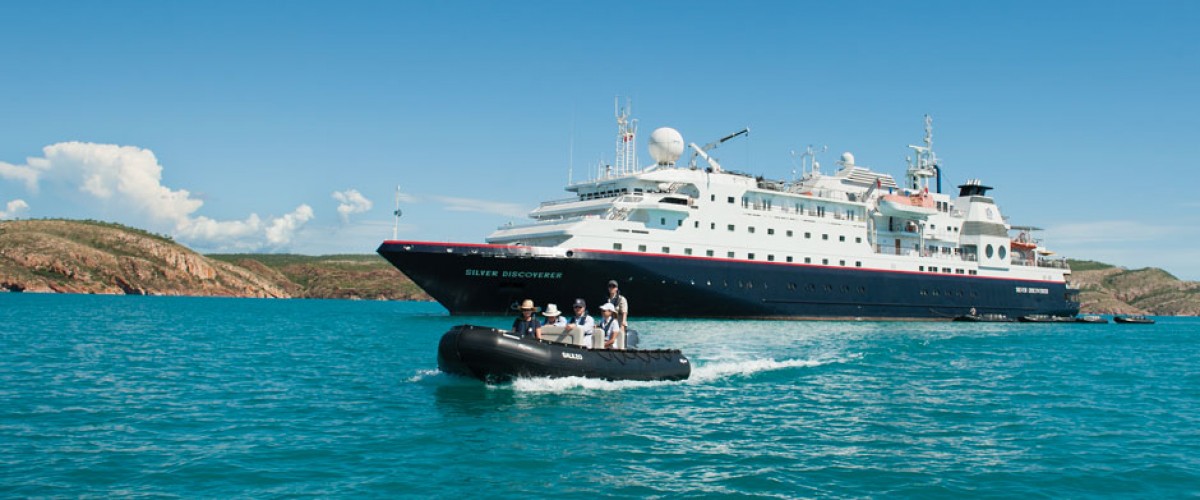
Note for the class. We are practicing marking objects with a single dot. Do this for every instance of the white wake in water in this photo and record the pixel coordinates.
(701, 374)
(424, 374)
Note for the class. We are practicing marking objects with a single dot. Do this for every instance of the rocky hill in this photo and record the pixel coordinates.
(1106, 289)
(72, 256)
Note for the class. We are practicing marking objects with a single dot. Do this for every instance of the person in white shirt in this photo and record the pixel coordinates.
(611, 327)
(582, 321)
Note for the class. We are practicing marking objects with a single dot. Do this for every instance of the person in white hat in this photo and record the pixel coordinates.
(526, 325)
(553, 316)
(613, 338)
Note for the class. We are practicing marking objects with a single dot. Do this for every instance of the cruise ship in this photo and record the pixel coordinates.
(693, 239)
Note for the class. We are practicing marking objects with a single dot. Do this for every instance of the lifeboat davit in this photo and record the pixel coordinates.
(494, 355)
(918, 206)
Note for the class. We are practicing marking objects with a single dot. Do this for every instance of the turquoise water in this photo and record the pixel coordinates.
(208, 397)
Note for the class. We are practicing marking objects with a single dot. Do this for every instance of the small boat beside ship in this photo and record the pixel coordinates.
(494, 355)
(1136, 319)
(984, 318)
(1046, 318)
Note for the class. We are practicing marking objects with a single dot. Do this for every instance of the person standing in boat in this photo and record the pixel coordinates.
(553, 316)
(526, 325)
(611, 326)
(619, 304)
(582, 321)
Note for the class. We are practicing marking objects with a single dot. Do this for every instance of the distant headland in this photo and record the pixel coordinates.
(84, 256)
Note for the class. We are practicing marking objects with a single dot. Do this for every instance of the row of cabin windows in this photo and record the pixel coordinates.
(767, 204)
(948, 293)
(810, 287)
(934, 269)
(770, 231)
(733, 255)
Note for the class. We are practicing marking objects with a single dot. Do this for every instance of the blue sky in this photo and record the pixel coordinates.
(245, 126)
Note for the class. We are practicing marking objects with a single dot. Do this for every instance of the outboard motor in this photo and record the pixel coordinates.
(631, 339)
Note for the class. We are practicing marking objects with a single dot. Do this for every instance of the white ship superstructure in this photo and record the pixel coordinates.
(695, 239)
(854, 217)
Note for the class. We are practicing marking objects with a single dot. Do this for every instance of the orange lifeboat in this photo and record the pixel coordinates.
(1023, 245)
(918, 205)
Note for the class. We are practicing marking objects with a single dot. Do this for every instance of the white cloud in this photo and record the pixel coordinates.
(13, 208)
(23, 173)
(127, 180)
(282, 229)
(351, 202)
(482, 206)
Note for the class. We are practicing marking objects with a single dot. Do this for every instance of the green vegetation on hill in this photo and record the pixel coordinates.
(1087, 265)
(366, 276)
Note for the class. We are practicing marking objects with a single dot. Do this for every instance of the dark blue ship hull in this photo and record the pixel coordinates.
(471, 279)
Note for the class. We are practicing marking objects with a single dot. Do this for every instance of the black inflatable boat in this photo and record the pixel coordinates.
(495, 355)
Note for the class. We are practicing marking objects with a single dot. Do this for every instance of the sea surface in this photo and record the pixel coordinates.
(213, 397)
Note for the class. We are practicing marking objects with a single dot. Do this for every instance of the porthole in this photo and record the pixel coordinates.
(1003, 251)
(989, 251)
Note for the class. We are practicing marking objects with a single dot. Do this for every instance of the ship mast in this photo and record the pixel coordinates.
(396, 212)
(923, 168)
(626, 162)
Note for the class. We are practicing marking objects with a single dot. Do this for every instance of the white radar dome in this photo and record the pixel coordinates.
(666, 145)
(847, 159)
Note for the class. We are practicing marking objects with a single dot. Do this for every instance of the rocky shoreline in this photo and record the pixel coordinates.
(73, 256)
